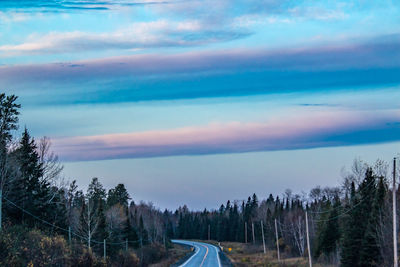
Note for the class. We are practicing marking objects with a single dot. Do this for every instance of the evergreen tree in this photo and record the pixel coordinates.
(254, 206)
(9, 112)
(28, 191)
(360, 239)
(101, 228)
(96, 193)
(370, 253)
(118, 195)
(144, 236)
(330, 235)
(350, 243)
(129, 231)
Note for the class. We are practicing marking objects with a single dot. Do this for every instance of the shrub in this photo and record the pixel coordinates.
(153, 253)
(126, 259)
(82, 257)
(20, 247)
(41, 250)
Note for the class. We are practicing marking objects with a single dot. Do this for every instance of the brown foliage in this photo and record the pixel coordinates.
(126, 259)
(153, 253)
(22, 248)
(42, 250)
(82, 257)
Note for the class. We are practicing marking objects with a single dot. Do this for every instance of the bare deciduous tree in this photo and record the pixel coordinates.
(89, 221)
(116, 220)
(52, 167)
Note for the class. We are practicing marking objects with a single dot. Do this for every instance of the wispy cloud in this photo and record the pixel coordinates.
(172, 24)
(297, 132)
(10, 17)
(381, 52)
(55, 5)
(160, 33)
(208, 74)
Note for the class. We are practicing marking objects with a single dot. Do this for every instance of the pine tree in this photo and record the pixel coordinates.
(234, 223)
(101, 229)
(359, 247)
(330, 235)
(144, 236)
(129, 231)
(28, 191)
(350, 242)
(254, 206)
(9, 112)
(370, 254)
(118, 195)
(96, 193)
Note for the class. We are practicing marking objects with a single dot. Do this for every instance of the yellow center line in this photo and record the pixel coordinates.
(205, 256)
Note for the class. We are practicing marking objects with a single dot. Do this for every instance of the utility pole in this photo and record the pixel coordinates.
(277, 241)
(262, 232)
(88, 219)
(69, 235)
(209, 234)
(126, 244)
(308, 242)
(104, 244)
(245, 232)
(141, 249)
(1, 203)
(252, 230)
(395, 262)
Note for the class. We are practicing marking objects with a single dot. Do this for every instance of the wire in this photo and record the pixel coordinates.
(340, 215)
(43, 221)
(283, 226)
(67, 230)
(333, 218)
(330, 210)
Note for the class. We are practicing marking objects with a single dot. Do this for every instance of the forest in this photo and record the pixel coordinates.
(48, 221)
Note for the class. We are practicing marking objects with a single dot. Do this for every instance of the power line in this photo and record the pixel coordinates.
(338, 208)
(66, 230)
(43, 221)
(343, 213)
(333, 218)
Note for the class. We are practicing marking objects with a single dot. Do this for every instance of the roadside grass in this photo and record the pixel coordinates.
(175, 254)
(252, 255)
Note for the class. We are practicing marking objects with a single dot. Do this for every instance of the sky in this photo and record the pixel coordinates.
(197, 102)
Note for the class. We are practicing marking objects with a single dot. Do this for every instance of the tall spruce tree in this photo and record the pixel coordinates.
(330, 235)
(9, 111)
(96, 193)
(29, 191)
(370, 252)
(101, 229)
(129, 230)
(351, 236)
(118, 195)
(359, 231)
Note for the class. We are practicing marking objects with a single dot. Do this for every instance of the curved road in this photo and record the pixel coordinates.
(205, 255)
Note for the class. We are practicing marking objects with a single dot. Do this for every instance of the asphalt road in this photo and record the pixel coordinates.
(205, 255)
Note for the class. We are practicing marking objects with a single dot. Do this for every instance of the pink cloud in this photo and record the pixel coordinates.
(371, 53)
(297, 131)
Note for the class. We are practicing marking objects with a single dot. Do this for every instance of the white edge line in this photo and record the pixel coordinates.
(188, 260)
(216, 249)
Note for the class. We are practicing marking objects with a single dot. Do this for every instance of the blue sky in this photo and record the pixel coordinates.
(151, 93)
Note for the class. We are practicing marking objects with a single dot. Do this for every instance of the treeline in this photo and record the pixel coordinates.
(47, 221)
(349, 225)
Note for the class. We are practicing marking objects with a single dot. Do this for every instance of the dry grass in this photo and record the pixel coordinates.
(174, 254)
(248, 255)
